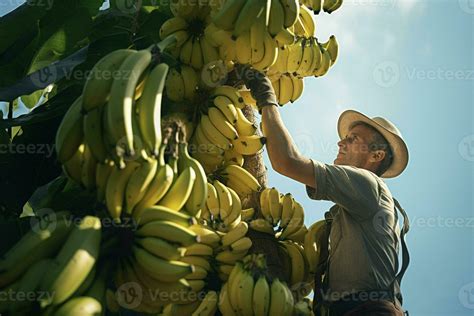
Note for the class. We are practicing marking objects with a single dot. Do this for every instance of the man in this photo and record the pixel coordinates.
(359, 275)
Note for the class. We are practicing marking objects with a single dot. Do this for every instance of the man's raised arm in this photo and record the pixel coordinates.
(282, 151)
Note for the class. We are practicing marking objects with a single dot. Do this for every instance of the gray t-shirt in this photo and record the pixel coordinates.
(364, 239)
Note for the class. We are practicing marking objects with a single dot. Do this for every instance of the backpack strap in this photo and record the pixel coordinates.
(321, 274)
(405, 254)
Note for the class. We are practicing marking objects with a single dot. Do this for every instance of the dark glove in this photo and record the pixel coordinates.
(260, 86)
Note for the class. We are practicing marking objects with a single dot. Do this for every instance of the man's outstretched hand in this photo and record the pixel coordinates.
(260, 86)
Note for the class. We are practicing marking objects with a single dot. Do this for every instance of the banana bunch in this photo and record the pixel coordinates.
(224, 135)
(239, 179)
(182, 84)
(194, 47)
(249, 291)
(328, 6)
(234, 247)
(66, 272)
(300, 268)
(222, 208)
(312, 245)
(43, 241)
(288, 88)
(131, 273)
(282, 211)
(116, 117)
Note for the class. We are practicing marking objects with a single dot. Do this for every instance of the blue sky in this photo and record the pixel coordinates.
(412, 62)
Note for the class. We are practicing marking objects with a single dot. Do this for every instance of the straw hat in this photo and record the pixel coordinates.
(387, 129)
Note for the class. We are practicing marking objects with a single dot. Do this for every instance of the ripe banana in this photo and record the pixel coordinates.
(228, 14)
(157, 189)
(225, 199)
(265, 205)
(229, 257)
(248, 145)
(241, 245)
(208, 305)
(172, 25)
(243, 48)
(277, 18)
(274, 205)
(120, 109)
(295, 222)
(235, 234)
(115, 189)
(298, 88)
(262, 225)
(261, 297)
(332, 47)
(227, 107)
(244, 293)
(198, 194)
(149, 108)
(220, 122)
(138, 183)
(81, 305)
(292, 11)
(311, 246)
(170, 231)
(70, 132)
(271, 54)
(206, 235)
(174, 86)
(243, 125)
(235, 210)
(287, 210)
(93, 132)
(238, 173)
(198, 250)
(42, 241)
(213, 134)
(224, 304)
(231, 93)
(297, 263)
(74, 261)
(161, 270)
(247, 214)
(180, 191)
(212, 200)
(96, 91)
(160, 248)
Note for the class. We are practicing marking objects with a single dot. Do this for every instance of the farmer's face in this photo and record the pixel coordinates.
(354, 148)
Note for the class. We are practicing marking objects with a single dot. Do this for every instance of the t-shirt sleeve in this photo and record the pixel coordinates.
(355, 189)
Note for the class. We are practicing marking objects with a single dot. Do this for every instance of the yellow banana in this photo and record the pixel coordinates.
(70, 132)
(225, 199)
(261, 297)
(274, 205)
(248, 145)
(170, 231)
(262, 225)
(138, 183)
(220, 122)
(120, 111)
(239, 173)
(115, 189)
(180, 191)
(160, 248)
(243, 48)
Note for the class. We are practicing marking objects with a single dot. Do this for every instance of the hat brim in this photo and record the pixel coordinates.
(399, 148)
